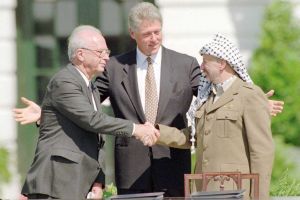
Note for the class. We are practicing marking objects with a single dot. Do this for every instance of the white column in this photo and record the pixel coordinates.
(8, 94)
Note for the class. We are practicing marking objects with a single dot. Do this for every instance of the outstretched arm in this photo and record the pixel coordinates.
(29, 114)
(275, 106)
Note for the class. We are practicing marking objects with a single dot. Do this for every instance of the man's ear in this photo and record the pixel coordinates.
(223, 64)
(132, 35)
(79, 55)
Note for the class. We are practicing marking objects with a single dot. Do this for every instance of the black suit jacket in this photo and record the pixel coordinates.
(179, 81)
(66, 158)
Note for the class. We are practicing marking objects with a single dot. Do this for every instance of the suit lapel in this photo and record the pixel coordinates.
(130, 85)
(227, 96)
(165, 83)
(76, 74)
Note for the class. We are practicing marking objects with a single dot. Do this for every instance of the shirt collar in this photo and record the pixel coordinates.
(220, 88)
(141, 58)
(86, 80)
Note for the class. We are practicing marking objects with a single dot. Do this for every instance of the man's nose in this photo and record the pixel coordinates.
(153, 36)
(106, 57)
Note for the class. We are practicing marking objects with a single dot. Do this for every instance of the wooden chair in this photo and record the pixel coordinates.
(221, 177)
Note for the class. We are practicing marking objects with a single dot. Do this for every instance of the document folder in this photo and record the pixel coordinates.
(227, 194)
(140, 196)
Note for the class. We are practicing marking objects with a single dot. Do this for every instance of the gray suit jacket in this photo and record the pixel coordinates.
(66, 158)
(179, 81)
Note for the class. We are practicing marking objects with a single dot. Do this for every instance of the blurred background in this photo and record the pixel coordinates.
(33, 43)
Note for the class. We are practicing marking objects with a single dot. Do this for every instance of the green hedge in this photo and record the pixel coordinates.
(276, 65)
(4, 172)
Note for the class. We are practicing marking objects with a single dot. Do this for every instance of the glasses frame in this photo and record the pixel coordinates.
(101, 52)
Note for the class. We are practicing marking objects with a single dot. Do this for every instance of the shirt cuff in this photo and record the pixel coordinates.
(133, 129)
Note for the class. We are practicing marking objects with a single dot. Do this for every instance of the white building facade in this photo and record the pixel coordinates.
(189, 24)
(8, 94)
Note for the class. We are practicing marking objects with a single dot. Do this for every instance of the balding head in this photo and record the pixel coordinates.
(82, 37)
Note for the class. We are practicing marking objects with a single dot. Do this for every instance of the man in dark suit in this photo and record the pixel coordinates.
(67, 162)
(139, 168)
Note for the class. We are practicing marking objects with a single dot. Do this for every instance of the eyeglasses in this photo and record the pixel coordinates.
(100, 52)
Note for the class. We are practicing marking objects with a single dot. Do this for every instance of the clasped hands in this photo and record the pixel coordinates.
(146, 133)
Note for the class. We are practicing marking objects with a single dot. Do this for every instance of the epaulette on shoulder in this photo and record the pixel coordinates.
(248, 85)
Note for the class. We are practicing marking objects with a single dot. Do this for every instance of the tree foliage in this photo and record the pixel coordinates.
(4, 171)
(276, 65)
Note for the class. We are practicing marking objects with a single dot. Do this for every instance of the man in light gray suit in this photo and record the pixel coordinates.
(67, 162)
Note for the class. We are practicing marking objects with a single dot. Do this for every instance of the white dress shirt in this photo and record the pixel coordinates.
(86, 80)
(142, 65)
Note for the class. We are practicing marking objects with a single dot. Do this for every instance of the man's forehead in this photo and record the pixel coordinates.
(97, 41)
(208, 57)
(149, 24)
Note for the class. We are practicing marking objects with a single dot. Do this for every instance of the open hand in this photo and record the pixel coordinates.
(96, 191)
(29, 114)
(275, 106)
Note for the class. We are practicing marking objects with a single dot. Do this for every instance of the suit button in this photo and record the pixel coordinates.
(98, 168)
(207, 132)
(205, 162)
(205, 147)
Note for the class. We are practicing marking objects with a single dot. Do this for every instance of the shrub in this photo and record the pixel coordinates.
(285, 186)
(110, 190)
(4, 172)
(276, 64)
(283, 181)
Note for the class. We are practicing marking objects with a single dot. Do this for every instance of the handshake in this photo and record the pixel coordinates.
(146, 133)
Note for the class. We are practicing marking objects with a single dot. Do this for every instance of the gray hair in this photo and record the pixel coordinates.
(142, 11)
(75, 40)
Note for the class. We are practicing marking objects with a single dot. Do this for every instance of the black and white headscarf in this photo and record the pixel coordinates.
(222, 48)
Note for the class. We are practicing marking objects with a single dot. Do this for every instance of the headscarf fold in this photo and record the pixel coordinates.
(222, 48)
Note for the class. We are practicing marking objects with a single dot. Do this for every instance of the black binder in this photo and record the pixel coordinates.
(226, 194)
(140, 196)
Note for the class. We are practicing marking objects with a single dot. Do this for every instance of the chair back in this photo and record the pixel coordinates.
(221, 177)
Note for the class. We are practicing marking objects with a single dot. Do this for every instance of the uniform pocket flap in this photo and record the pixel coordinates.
(229, 115)
(67, 154)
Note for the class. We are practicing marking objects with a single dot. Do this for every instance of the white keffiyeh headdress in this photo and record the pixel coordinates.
(222, 48)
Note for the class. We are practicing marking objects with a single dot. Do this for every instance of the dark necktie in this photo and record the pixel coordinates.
(91, 89)
(151, 98)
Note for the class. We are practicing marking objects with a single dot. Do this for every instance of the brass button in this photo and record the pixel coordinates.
(207, 132)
